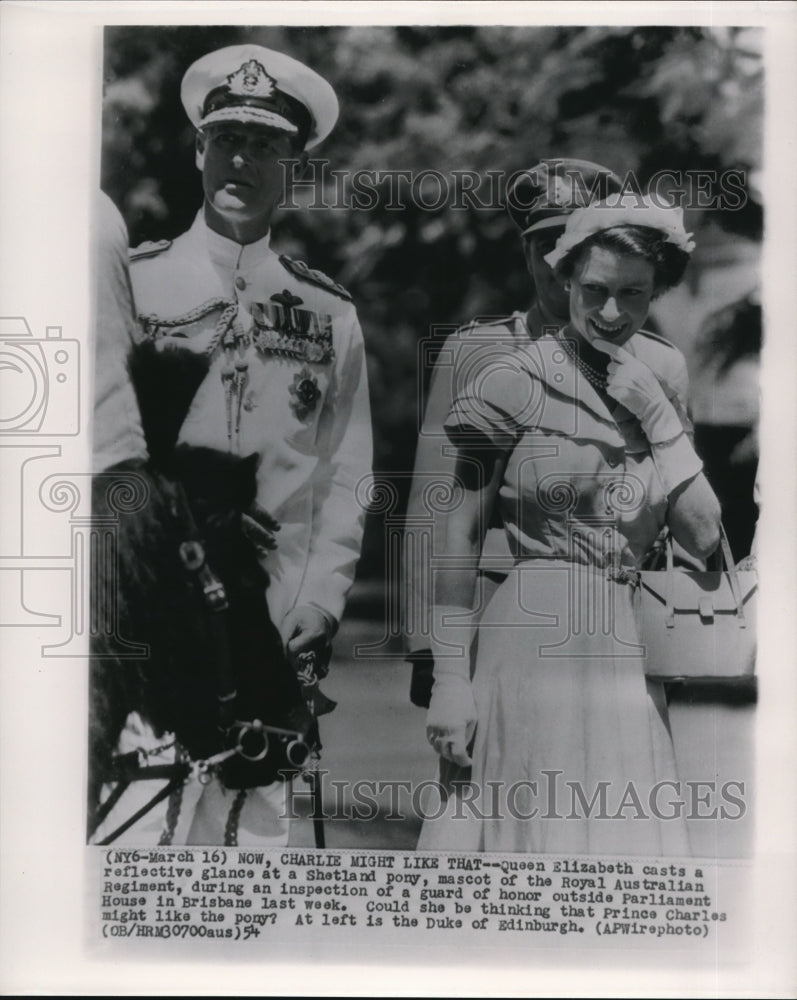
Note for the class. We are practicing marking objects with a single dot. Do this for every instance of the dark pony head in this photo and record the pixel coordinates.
(195, 654)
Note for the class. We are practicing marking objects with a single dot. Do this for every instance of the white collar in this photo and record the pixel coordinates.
(227, 252)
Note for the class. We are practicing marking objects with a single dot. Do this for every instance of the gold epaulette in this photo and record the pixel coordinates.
(149, 249)
(300, 270)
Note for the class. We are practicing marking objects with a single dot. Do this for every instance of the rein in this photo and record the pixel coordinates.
(251, 737)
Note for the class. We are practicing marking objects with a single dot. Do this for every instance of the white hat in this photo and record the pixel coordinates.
(258, 86)
(623, 209)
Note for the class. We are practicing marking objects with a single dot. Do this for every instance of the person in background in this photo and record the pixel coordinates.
(117, 433)
(119, 451)
(539, 201)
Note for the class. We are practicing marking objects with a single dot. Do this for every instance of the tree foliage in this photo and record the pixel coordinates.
(447, 99)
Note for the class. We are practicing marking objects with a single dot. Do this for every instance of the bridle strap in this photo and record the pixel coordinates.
(178, 772)
(102, 811)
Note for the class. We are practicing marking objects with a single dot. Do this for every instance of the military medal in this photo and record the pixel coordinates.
(282, 328)
(304, 393)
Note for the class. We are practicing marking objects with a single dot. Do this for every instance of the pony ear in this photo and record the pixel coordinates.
(249, 464)
(246, 477)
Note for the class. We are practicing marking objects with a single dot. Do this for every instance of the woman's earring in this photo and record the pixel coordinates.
(567, 286)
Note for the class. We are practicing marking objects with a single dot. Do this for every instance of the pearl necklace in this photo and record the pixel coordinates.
(590, 374)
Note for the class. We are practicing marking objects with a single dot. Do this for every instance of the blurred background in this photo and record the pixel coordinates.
(481, 99)
(484, 99)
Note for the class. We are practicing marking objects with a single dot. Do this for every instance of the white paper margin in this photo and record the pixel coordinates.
(49, 142)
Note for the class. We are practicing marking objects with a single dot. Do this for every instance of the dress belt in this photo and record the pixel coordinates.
(617, 574)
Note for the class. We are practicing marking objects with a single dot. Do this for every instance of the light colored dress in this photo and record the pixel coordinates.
(567, 724)
(427, 510)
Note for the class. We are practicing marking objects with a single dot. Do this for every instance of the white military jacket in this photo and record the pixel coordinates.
(287, 381)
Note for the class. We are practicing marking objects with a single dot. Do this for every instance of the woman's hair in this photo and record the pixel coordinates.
(669, 261)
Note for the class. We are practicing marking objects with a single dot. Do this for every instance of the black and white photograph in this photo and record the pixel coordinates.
(252, 446)
(390, 479)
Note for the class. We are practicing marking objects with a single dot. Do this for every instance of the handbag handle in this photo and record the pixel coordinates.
(733, 576)
(726, 557)
(669, 617)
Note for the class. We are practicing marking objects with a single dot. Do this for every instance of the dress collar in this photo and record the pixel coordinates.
(226, 252)
(550, 363)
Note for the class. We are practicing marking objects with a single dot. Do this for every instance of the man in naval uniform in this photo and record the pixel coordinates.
(286, 378)
(539, 202)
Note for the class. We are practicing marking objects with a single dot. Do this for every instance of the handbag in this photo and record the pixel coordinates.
(698, 625)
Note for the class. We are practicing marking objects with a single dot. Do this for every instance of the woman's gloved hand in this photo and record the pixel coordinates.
(451, 719)
(635, 387)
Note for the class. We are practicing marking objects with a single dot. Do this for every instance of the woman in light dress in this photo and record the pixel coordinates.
(583, 439)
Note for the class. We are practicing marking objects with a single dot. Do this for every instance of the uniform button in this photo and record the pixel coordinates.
(613, 461)
(240, 283)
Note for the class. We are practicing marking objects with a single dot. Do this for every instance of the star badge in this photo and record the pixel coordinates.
(304, 393)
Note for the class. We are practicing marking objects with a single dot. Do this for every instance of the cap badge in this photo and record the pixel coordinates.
(558, 193)
(251, 80)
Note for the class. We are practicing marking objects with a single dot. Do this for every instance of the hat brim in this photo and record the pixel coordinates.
(247, 115)
(549, 223)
